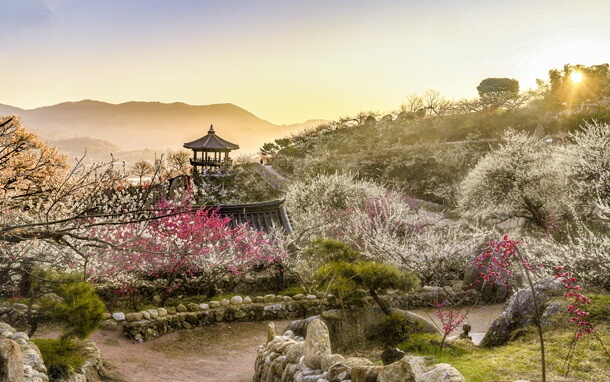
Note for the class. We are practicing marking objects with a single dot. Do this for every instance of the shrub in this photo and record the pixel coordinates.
(61, 357)
(81, 309)
(393, 330)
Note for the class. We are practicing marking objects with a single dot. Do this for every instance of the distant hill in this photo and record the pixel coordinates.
(103, 128)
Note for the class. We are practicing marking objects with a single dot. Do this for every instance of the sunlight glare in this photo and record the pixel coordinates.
(576, 77)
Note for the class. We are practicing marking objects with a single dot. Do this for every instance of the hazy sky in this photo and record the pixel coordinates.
(287, 60)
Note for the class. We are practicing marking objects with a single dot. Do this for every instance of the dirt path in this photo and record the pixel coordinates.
(217, 353)
(223, 352)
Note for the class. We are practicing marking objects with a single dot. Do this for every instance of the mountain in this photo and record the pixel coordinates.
(103, 128)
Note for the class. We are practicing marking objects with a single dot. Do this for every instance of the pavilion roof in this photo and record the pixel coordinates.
(211, 142)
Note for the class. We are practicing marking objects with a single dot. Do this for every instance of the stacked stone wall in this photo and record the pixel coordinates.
(154, 323)
(288, 358)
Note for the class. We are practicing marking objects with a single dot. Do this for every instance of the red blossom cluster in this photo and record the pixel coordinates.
(578, 314)
(498, 259)
(449, 317)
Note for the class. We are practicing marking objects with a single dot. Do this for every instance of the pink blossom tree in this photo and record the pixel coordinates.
(182, 247)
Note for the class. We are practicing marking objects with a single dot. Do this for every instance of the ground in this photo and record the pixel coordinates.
(221, 352)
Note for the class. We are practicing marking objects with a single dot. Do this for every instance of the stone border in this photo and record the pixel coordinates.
(153, 323)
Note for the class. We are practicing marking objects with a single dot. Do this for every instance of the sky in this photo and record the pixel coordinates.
(287, 61)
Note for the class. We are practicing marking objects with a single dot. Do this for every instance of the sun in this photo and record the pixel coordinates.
(576, 77)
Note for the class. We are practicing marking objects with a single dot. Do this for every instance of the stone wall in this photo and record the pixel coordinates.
(153, 323)
(21, 360)
(286, 358)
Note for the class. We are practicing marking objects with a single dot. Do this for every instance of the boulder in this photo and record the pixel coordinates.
(317, 344)
(11, 361)
(490, 291)
(519, 311)
(391, 354)
(441, 372)
(340, 370)
(408, 369)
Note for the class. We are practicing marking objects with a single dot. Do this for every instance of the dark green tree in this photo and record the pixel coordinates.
(499, 92)
(350, 276)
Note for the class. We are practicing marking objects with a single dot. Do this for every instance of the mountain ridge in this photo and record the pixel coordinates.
(152, 125)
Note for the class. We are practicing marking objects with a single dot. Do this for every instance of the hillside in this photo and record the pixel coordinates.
(102, 128)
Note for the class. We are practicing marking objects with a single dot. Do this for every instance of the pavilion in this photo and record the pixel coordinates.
(213, 157)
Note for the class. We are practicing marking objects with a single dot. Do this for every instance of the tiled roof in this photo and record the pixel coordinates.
(261, 216)
(211, 142)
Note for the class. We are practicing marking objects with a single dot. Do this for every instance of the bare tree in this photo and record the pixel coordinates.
(412, 104)
(141, 169)
(435, 103)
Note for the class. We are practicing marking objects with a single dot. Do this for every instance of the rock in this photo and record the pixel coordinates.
(21, 307)
(295, 352)
(130, 317)
(270, 332)
(31, 357)
(18, 335)
(311, 297)
(408, 369)
(214, 304)
(259, 299)
(154, 313)
(181, 308)
(490, 291)
(236, 300)
(204, 306)
(162, 312)
(118, 316)
(109, 325)
(279, 298)
(145, 315)
(391, 354)
(247, 300)
(340, 370)
(11, 361)
(299, 327)
(441, 372)
(106, 316)
(365, 373)
(192, 307)
(519, 311)
(224, 302)
(331, 360)
(317, 344)
(269, 298)
(298, 297)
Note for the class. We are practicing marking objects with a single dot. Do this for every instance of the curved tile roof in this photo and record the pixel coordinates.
(211, 142)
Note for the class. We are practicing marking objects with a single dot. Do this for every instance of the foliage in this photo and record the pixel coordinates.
(393, 330)
(522, 178)
(61, 357)
(80, 309)
(499, 92)
(181, 246)
(48, 208)
(347, 275)
(382, 224)
(516, 361)
(595, 84)
(449, 317)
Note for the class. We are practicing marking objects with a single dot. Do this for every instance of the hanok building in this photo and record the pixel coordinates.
(211, 154)
(211, 158)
